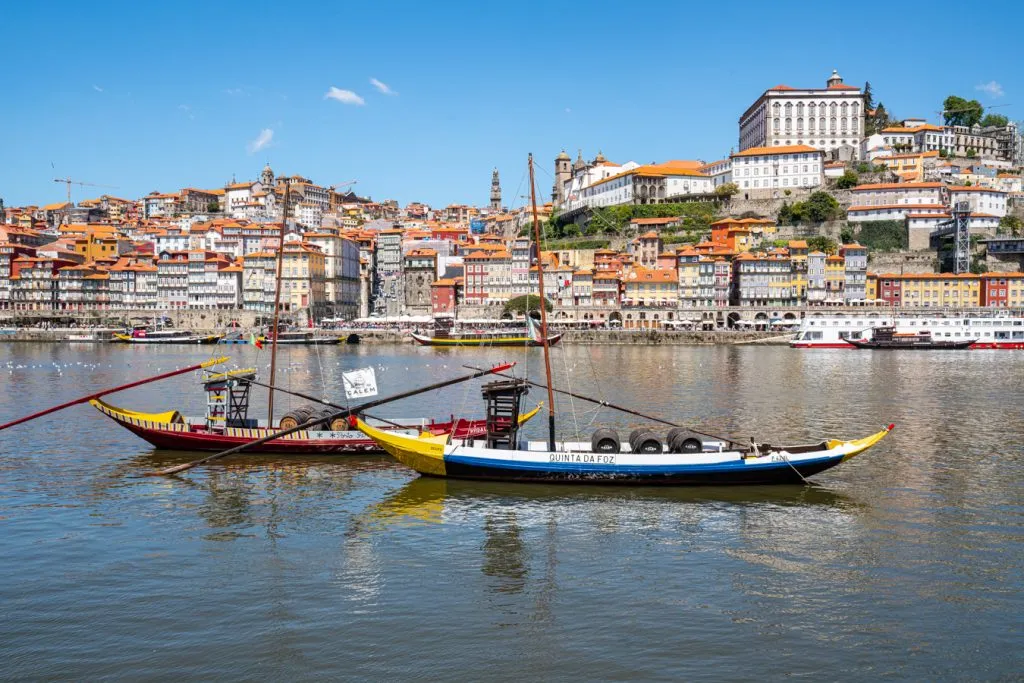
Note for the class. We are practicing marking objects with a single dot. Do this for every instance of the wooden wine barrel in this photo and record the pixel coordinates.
(605, 441)
(293, 418)
(644, 441)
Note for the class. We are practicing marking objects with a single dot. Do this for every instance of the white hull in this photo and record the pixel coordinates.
(830, 331)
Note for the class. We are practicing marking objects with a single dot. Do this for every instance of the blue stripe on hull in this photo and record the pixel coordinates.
(730, 473)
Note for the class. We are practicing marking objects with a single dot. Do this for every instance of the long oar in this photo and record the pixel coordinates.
(606, 404)
(86, 399)
(496, 370)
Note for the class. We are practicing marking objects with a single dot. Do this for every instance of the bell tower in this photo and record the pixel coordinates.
(267, 177)
(495, 192)
(563, 173)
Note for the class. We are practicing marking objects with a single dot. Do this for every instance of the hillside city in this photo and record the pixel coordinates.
(826, 200)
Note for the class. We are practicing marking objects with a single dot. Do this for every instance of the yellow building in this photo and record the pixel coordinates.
(798, 257)
(651, 287)
(909, 167)
(302, 278)
(835, 278)
(936, 290)
(871, 286)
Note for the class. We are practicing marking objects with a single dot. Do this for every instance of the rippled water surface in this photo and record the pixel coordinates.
(904, 563)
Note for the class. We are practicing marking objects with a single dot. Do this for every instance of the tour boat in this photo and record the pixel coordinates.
(887, 338)
(227, 424)
(681, 458)
(299, 337)
(590, 463)
(482, 339)
(837, 330)
(141, 335)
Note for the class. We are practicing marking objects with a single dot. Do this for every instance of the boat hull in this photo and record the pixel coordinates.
(919, 346)
(439, 457)
(495, 341)
(171, 431)
(197, 339)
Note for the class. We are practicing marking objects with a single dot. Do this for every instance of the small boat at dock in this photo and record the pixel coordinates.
(142, 335)
(887, 338)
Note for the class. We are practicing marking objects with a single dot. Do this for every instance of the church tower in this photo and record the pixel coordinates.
(267, 177)
(835, 79)
(495, 192)
(563, 173)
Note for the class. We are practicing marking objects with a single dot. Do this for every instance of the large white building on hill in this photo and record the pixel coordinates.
(828, 118)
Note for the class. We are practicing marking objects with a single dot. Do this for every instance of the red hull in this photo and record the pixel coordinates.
(345, 442)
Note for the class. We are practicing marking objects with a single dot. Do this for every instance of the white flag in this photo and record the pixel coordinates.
(359, 383)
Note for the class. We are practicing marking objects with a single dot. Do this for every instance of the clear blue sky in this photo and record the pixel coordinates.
(158, 96)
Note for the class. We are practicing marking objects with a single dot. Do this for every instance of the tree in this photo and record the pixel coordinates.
(212, 207)
(846, 235)
(727, 189)
(821, 206)
(997, 120)
(960, 112)
(869, 99)
(847, 180)
(525, 302)
(1012, 223)
(971, 152)
(877, 122)
(823, 244)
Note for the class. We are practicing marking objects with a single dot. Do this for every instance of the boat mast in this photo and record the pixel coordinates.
(543, 312)
(277, 306)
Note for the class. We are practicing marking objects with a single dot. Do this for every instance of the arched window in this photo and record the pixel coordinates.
(842, 123)
(821, 124)
(800, 124)
(776, 124)
(800, 109)
(832, 109)
(832, 124)
(810, 122)
(789, 124)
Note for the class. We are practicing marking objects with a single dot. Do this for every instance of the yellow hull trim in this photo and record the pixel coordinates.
(423, 453)
(168, 417)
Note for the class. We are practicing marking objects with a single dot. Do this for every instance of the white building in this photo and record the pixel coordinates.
(341, 273)
(767, 172)
(893, 201)
(239, 199)
(649, 184)
(982, 200)
(824, 118)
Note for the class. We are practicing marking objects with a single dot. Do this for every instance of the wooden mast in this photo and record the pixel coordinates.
(543, 312)
(277, 306)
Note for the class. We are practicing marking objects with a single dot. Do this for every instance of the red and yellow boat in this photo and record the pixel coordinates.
(226, 425)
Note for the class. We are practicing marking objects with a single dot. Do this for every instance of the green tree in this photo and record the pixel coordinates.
(883, 235)
(957, 111)
(994, 120)
(869, 98)
(820, 206)
(523, 303)
(971, 153)
(847, 180)
(863, 167)
(846, 235)
(212, 207)
(1012, 223)
(823, 244)
(727, 189)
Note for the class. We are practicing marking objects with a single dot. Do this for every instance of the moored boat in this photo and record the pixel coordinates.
(887, 338)
(299, 337)
(226, 424)
(583, 463)
(482, 339)
(142, 335)
(826, 330)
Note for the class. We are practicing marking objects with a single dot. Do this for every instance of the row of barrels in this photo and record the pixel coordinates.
(302, 415)
(646, 441)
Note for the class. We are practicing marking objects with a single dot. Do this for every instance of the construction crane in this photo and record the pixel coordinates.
(69, 182)
(345, 184)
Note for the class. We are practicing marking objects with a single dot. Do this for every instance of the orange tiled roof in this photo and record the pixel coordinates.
(786, 149)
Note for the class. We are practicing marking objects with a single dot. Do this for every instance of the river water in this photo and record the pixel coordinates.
(905, 563)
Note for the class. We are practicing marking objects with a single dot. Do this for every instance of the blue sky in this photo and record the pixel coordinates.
(158, 96)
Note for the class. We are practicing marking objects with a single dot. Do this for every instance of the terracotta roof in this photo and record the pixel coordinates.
(897, 206)
(973, 188)
(786, 149)
(897, 186)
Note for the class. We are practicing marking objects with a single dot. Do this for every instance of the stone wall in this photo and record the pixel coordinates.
(903, 262)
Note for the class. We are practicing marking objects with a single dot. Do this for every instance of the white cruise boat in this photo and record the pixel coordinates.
(831, 330)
